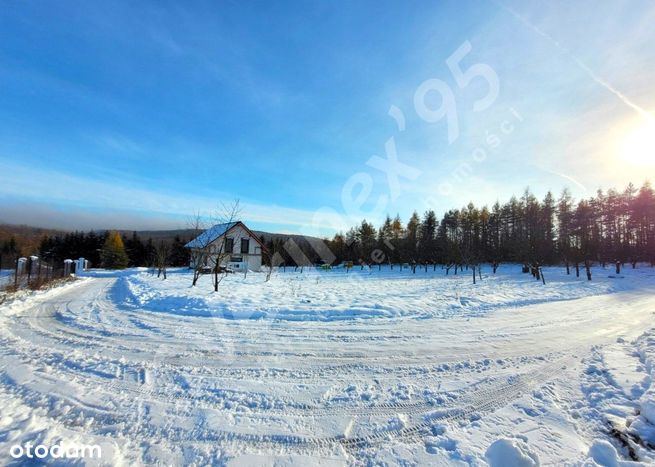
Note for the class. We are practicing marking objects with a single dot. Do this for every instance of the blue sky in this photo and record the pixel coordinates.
(116, 114)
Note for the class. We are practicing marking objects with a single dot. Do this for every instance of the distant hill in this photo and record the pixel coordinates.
(188, 234)
(27, 237)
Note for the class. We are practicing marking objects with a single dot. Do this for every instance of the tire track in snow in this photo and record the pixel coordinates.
(123, 385)
(478, 402)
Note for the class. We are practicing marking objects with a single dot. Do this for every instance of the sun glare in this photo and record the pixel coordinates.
(638, 147)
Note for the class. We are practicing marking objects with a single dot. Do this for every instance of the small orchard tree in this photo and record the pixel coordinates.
(200, 250)
(227, 214)
(206, 252)
(113, 255)
(162, 255)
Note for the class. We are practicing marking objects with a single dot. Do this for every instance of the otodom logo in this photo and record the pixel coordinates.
(56, 451)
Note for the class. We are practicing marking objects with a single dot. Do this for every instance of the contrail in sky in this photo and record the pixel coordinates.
(564, 176)
(580, 63)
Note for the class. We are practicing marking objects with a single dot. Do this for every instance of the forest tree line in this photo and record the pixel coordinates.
(613, 226)
(92, 245)
(609, 227)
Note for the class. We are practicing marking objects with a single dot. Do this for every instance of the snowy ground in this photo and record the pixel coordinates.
(332, 368)
(5, 276)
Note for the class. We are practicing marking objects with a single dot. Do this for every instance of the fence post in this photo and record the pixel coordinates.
(29, 270)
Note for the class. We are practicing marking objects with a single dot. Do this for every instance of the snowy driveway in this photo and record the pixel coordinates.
(90, 362)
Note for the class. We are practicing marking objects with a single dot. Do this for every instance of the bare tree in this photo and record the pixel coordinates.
(199, 246)
(227, 214)
(162, 253)
(273, 258)
(208, 253)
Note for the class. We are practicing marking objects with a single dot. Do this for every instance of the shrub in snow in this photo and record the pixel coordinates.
(511, 453)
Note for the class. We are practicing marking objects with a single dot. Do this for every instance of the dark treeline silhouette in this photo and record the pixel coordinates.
(8, 251)
(89, 245)
(609, 227)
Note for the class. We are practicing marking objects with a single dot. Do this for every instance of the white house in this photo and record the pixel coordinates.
(237, 246)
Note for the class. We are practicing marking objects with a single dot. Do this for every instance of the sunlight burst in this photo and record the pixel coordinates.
(638, 146)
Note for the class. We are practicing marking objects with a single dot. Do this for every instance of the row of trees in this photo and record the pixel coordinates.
(112, 250)
(612, 226)
(616, 226)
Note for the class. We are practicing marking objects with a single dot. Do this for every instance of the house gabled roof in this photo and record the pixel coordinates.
(212, 233)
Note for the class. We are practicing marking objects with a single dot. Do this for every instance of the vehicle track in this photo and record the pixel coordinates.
(476, 402)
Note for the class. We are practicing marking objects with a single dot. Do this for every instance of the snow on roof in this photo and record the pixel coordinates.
(210, 235)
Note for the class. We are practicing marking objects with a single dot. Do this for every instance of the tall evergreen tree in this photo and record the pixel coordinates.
(113, 253)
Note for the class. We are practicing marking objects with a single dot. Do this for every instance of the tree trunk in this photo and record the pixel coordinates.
(618, 267)
(568, 270)
(577, 269)
(473, 274)
(587, 266)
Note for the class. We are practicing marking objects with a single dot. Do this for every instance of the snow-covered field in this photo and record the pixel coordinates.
(332, 368)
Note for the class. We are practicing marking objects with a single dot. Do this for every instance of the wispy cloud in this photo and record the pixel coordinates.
(582, 65)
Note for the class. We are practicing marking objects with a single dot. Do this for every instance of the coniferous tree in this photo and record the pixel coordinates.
(605, 228)
(113, 255)
(179, 255)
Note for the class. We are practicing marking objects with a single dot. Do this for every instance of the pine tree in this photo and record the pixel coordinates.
(179, 254)
(113, 253)
(365, 237)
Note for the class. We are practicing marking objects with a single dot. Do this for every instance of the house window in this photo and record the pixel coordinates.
(236, 259)
(245, 245)
(229, 245)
